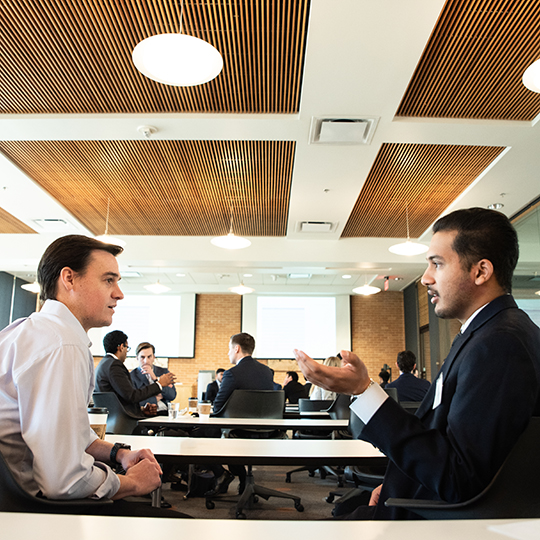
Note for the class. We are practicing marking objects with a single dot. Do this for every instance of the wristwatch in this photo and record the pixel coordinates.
(117, 446)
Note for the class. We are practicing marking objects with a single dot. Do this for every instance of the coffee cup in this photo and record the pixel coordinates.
(204, 409)
(192, 404)
(97, 417)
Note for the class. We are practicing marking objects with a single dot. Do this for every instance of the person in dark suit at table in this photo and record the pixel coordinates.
(294, 389)
(384, 377)
(484, 395)
(212, 388)
(247, 374)
(147, 373)
(408, 386)
(113, 376)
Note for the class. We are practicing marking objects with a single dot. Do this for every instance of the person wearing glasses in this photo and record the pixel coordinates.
(113, 376)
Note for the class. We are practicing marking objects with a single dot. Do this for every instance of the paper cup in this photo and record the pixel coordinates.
(97, 417)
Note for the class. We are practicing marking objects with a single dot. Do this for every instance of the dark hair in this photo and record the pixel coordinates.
(406, 361)
(483, 234)
(113, 340)
(293, 375)
(144, 345)
(384, 375)
(220, 370)
(246, 342)
(71, 251)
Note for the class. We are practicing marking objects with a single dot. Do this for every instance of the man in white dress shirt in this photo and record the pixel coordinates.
(47, 379)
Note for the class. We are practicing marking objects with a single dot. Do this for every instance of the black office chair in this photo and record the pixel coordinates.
(410, 406)
(513, 493)
(118, 421)
(254, 404)
(13, 498)
(316, 405)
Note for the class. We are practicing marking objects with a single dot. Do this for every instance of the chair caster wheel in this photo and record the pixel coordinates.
(240, 515)
(299, 507)
(210, 505)
(330, 499)
(255, 499)
(323, 475)
(311, 474)
(340, 484)
(288, 479)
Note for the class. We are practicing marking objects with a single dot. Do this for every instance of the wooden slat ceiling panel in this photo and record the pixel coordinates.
(473, 63)
(74, 56)
(426, 178)
(183, 188)
(11, 225)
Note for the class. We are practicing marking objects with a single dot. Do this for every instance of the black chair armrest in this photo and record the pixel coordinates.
(420, 503)
(73, 502)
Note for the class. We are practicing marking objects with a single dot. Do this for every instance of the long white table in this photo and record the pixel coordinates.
(60, 527)
(188, 421)
(187, 450)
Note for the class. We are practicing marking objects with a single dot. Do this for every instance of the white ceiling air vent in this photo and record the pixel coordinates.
(53, 225)
(335, 130)
(316, 226)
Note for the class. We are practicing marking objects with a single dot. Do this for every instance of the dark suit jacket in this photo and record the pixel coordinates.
(295, 390)
(211, 391)
(246, 375)
(113, 376)
(491, 381)
(409, 387)
(140, 380)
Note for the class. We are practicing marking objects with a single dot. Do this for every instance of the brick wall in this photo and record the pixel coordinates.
(378, 330)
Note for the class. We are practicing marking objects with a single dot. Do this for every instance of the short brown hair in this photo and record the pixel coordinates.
(144, 345)
(73, 251)
(246, 342)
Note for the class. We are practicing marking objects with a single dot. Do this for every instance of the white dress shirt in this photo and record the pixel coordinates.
(46, 381)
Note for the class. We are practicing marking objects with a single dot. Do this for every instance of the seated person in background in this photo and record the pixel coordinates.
(294, 390)
(317, 392)
(147, 373)
(277, 386)
(113, 376)
(384, 377)
(213, 388)
(247, 374)
(409, 387)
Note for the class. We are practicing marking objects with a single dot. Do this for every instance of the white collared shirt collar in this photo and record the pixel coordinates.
(466, 324)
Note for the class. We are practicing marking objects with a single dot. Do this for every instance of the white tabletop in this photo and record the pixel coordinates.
(256, 451)
(59, 527)
(271, 423)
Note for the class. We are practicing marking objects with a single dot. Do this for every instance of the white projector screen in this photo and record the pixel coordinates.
(319, 325)
(168, 322)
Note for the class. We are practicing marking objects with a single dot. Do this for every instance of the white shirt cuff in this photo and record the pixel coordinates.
(159, 384)
(367, 404)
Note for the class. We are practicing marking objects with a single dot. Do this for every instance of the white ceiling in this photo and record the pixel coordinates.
(360, 57)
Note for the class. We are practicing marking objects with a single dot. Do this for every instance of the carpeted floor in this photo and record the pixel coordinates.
(312, 490)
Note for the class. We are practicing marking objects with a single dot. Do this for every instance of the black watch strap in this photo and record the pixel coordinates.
(117, 446)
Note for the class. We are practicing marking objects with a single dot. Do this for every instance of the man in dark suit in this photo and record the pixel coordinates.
(247, 374)
(293, 388)
(212, 388)
(147, 373)
(409, 387)
(487, 390)
(113, 376)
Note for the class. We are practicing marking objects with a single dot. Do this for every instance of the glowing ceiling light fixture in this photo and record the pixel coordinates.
(106, 238)
(157, 288)
(177, 59)
(531, 77)
(408, 248)
(366, 290)
(230, 241)
(241, 289)
(31, 287)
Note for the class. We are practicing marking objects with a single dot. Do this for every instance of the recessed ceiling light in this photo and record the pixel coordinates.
(299, 276)
(495, 206)
(346, 276)
(248, 275)
(180, 275)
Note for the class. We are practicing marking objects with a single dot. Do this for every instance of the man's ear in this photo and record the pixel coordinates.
(483, 271)
(67, 279)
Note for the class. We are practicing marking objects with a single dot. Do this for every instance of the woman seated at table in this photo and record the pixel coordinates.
(319, 393)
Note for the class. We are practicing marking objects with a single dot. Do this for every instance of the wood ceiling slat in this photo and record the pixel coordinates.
(426, 178)
(11, 225)
(75, 57)
(474, 60)
(182, 188)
